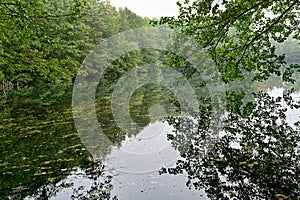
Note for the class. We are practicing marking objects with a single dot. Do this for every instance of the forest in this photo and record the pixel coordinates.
(44, 43)
(222, 75)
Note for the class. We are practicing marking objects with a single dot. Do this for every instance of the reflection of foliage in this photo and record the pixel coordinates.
(256, 158)
(99, 189)
(36, 144)
(142, 99)
(188, 130)
(147, 96)
(39, 147)
(106, 120)
(93, 171)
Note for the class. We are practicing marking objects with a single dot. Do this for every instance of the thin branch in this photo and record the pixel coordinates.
(6, 3)
(227, 25)
(53, 16)
(217, 43)
(265, 31)
(251, 8)
(11, 10)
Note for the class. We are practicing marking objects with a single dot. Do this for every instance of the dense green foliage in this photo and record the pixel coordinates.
(238, 34)
(44, 43)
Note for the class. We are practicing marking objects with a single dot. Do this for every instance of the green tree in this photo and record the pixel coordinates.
(37, 42)
(238, 35)
(44, 43)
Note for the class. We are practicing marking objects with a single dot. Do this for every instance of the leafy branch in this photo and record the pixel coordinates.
(255, 38)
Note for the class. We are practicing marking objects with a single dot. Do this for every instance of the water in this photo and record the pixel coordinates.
(42, 156)
(134, 167)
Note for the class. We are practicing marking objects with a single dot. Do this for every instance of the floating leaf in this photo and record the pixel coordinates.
(252, 164)
(51, 179)
(46, 162)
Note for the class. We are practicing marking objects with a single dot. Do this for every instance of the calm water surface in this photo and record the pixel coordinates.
(43, 157)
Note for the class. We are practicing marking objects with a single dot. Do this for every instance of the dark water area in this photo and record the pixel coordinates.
(254, 156)
(42, 157)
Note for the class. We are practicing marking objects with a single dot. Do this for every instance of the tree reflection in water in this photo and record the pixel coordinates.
(97, 185)
(255, 157)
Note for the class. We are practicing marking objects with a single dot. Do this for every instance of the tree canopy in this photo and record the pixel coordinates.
(239, 35)
(44, 43)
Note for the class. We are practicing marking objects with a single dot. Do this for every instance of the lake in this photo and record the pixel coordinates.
(43, 156)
